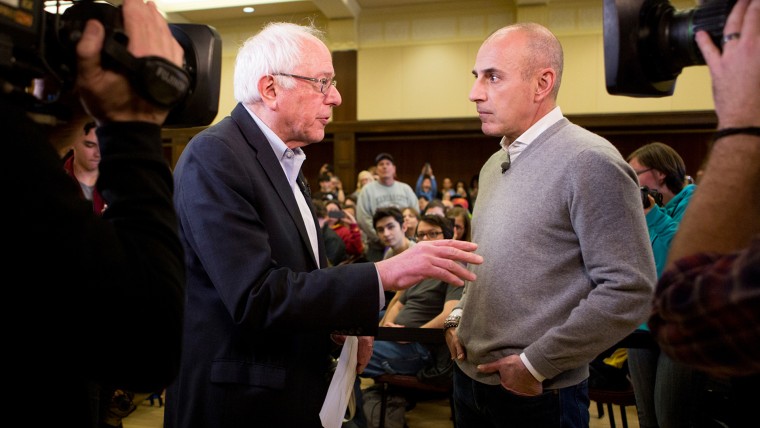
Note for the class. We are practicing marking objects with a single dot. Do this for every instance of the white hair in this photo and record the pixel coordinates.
(275, 49)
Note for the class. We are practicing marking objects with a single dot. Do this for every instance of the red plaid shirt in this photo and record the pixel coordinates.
(707, 312)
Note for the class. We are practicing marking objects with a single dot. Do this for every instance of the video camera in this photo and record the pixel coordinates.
(35, 44)
(648, 42)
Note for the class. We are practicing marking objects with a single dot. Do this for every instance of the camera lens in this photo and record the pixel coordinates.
(647, 43)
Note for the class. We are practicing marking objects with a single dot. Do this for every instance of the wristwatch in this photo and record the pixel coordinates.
(451, 321)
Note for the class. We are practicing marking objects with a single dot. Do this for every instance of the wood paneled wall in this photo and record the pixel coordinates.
(456, 148)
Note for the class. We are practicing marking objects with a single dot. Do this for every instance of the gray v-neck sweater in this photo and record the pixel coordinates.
(568, 267)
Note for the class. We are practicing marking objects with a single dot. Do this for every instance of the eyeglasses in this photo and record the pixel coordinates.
(433, 234)
(324, 83)
(643, 171)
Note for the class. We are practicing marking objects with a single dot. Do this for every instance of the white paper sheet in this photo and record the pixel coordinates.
(334, 408)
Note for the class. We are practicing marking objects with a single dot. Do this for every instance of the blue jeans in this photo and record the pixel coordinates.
(396, 358)
(668, 394)
(477, 405)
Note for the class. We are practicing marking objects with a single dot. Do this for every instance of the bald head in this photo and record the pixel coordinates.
(541, 49)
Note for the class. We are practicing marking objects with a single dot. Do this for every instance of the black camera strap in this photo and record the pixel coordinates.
(156, 79)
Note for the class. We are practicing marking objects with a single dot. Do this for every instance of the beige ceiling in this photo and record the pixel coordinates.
(215, 10)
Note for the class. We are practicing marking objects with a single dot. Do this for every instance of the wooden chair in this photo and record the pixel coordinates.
(409, 385)
(413, 389)
(622, 398)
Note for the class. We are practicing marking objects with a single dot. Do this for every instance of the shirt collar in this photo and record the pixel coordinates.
(290, 159)
(527, 137)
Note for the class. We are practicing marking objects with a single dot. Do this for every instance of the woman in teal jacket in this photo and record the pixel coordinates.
(667, 392)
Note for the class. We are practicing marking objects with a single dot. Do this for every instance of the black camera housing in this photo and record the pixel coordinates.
(35, 44)
(647, 43)
(646, 192)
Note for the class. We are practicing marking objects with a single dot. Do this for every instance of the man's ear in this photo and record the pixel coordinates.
(545, 83)
(268, 90)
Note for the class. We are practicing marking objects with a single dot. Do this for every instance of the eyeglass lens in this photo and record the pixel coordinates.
(431, 234)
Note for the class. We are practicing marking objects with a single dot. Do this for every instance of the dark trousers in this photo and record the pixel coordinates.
(478, 405)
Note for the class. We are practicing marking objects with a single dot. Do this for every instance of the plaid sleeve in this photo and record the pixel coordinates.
(707, 312)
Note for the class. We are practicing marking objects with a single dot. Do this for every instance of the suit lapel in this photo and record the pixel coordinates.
(320, 242)
(271, 166)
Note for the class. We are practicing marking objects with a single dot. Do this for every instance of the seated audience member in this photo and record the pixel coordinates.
(337, 185)
(422, 203)
(83, 164)
(335, 247)
(327, 169)
(351, 209)
(436, 206)
(411, 218)
(328, 190)
(425, 305)
(447, 190)
(473, 190)
(461, 222)
(342, 221)
(390, 228)
(349, 206)
(363, 178)
(707, 302)
(350, 202)
(460, 191)
(426, 185)
(460, 202)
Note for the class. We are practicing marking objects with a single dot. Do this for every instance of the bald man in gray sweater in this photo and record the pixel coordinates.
(568, 268)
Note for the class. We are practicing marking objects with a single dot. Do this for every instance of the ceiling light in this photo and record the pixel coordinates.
(248, 9)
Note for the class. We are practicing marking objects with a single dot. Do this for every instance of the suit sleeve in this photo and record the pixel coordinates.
(240, 233)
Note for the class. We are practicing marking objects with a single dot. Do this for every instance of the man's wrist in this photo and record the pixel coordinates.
(452, 321)
(747, 130)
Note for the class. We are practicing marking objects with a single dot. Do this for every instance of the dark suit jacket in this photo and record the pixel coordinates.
(259, 313)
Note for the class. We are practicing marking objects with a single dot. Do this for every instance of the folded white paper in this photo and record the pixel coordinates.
(334, 408)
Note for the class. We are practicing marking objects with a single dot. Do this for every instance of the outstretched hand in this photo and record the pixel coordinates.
(442, 259)
(108, 95)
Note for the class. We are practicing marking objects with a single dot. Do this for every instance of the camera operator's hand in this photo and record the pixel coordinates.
(736, 72)
(108, 95)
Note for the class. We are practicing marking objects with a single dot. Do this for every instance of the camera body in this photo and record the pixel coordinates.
(647, 43)
(35, 44)
(336, 214)
(646, 192)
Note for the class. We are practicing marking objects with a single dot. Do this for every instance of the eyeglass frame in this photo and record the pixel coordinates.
(642, 171)
(432, 234)
(324, 82)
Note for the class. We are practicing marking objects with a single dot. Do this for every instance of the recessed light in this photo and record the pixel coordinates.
(248, 9)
